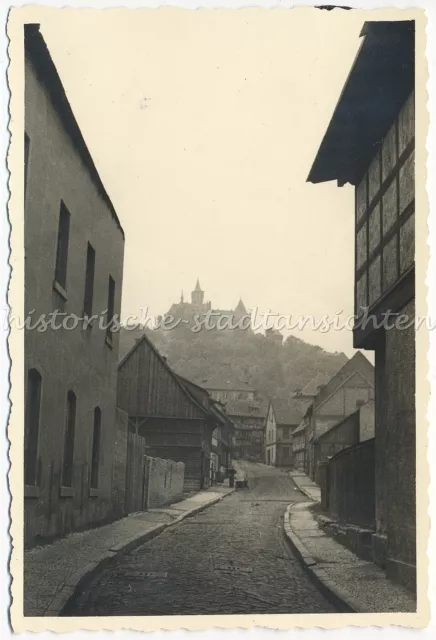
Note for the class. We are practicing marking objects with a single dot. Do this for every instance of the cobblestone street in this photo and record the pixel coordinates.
(231, 558)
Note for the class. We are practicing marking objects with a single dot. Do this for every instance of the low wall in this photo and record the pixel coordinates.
(164, 482)
(119, 464)
(351, 485)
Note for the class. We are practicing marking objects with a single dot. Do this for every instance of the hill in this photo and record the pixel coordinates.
(274, 369)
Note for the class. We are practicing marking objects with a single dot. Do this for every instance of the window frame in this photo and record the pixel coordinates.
(96, 448)
(62, 250)
(88, 296)
(31, 480)
(67, 475)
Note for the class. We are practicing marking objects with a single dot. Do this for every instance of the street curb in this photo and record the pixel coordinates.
(339, 597)
(73, 584)
(303, 490)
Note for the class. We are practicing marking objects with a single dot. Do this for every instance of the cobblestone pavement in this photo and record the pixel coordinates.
(231, 558)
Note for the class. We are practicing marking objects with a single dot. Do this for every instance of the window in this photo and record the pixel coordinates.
(89, 281)
(70, 428)
(286, 432)
(62, 248)
(110, 308)
(31, 433)
(26, 160)
(95, 462)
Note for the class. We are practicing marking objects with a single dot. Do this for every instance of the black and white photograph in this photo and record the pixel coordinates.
(218, 325)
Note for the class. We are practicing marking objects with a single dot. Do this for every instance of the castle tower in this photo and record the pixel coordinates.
(240, 310)
(197, 295)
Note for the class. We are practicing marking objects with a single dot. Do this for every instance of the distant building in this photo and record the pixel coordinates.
(351, 387)
(74, 247)
(304, 397)
(370, 143)
(280, 423)
(356, 427)
(246, 411)
(300, 442)
(174, 418)
(222, 435)
(198, 310)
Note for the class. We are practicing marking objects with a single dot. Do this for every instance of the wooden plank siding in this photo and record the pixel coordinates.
(148, 387)
(173, 424)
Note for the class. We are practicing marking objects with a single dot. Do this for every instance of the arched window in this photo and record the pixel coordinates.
(31, 433)
(95, 461)
(70, 428)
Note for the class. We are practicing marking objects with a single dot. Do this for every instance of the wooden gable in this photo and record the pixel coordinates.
(148, 387)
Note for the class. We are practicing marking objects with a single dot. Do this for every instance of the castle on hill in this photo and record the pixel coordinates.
(198, 308)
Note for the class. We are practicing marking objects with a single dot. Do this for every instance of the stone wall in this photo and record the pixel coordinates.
(164, 482)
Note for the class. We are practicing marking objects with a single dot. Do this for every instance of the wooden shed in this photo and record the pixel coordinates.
(169, 420)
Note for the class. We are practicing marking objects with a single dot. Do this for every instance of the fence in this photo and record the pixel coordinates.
(349, 485)
(150, 482)
(343, 435)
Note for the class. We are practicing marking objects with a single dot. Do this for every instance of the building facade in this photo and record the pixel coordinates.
(300, 442)
(74, 247)
(350, 388)
(370, 143)
(245, 410)
(356, 427)
(281, 421)
(174, 421)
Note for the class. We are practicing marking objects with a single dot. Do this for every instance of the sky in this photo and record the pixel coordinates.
(203, 126)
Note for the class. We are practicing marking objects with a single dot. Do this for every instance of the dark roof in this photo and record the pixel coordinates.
(286, 413)
(358, 363)
(246, 408)
(227, 381)
(204, 398)
(301, 427)
(312, 388)
(37, 52)
(381, 79)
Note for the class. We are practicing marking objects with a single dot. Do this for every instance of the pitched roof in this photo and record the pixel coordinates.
(37, 51)
(164, 363)
(197, 286)
(286, 413)
(240, 307)
(312, 388)
(246, 408)
(358, 363)
(224, 382)
(377, 86)
(301, 427)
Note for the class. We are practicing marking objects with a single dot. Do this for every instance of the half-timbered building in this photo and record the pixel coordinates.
(370, 143)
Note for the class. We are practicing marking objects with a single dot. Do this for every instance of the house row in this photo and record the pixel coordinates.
(370, 144)
(350, 389)
(245, 409)
(91, 423)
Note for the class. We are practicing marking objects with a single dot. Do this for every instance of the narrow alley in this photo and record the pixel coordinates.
(231, 558)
